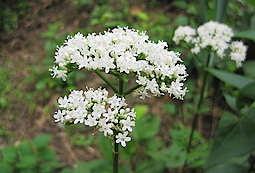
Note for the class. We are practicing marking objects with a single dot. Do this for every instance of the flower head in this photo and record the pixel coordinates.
(238, 52)
(93, 108)
(122, 50)
(213, 35)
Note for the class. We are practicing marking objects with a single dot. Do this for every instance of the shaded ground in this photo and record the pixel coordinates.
(25, 48)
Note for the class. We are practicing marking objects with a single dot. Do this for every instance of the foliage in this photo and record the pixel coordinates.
(27, 156)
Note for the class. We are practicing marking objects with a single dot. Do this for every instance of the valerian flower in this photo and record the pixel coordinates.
(123, 50)
(93, 112)
(213, 35)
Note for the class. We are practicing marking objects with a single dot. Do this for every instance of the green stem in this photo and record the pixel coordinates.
(116, 157)
(106, 81)
(116, 145)
(121, 87)
(131, 90)
(201, 96)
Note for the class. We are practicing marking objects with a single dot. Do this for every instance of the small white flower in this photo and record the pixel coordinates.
(59, 116)
(106, 127)
(122, 138)
(98, 110)
(127, 124)
(91, 121)
(143, 93)
(63, 102)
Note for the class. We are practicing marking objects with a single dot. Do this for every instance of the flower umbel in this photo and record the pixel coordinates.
(85, 107)
(123, 51)
(213, 35)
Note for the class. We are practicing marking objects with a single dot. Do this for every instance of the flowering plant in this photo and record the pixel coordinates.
(214, 35)
(215, 39)
(121, 52)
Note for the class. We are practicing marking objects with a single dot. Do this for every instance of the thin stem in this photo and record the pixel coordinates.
(201, 96)
(107, 81)
(116, 145)
(116, 157)
(131, 89)
(121, 86)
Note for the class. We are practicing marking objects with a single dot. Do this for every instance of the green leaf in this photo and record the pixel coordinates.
(249, 35)
(172, 157)
(192, 9)
(5, 168)
(221, 6)
(47, 154)
(146, 127)
(170, 108)
(9, 153)
(149, 166)
(248, 67)
(144, 16)
(251, 2)
(231, 101)
(42, 140)
(181, 20)
(227, 168)
(27, 161)
(25, 148)
(46, 168)
(248, 90)
(105, 146)
(141, 110)
(180, 4)
(232, 139)
(235, 80)
(99, 165)
(234, 165)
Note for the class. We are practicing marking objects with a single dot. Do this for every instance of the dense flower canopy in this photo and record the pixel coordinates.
(124, 50)
(214, 35)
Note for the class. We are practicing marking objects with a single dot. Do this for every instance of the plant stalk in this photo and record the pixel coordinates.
(116, 145)
(201, 96)
(116, 157)
(107, 81)
(131, 89)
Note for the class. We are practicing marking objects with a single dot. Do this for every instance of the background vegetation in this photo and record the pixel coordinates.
(30, 141)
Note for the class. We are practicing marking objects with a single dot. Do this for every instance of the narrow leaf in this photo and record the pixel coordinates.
(221, 6)
(235, 140)
(249, 35)
(235, 80)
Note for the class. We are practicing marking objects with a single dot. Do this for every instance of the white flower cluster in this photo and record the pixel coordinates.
(212, 34)
(238, 52)
(95, 109)
(124, 50)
